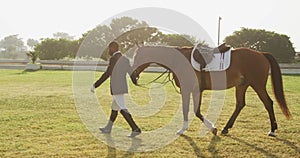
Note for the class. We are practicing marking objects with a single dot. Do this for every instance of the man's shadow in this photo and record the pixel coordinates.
(112, 151)
(135, 144)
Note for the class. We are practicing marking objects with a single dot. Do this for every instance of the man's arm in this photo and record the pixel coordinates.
(105, 75)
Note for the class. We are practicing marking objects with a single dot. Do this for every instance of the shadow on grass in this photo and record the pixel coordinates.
(112, 151)
(22, 73)
(291, 75)
(212, 146)
(26, 71)
(252, 146)
(289, 143)
(194, 145)
(135, 143)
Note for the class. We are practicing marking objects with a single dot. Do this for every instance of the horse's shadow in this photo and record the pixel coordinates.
(284, 141)
(193, 145)
(211, 147)
(263, 151)
(289, 143)
(136, 142)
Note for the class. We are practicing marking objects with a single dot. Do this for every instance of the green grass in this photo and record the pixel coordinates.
(39, 119)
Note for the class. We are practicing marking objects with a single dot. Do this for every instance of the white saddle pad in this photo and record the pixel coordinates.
(220, 62)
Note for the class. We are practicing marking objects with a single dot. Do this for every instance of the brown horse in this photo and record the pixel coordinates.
(247, 68)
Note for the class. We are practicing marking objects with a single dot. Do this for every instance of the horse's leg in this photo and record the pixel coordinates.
(197, 97)
(240, 104)
(268, 103)
(185, 111)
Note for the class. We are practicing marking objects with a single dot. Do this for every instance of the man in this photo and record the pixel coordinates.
(117, 69)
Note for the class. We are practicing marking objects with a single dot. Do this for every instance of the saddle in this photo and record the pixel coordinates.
(204, 54)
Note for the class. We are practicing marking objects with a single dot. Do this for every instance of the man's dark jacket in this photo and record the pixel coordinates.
(117, 69)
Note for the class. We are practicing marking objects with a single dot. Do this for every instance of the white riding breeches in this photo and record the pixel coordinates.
(118, 102)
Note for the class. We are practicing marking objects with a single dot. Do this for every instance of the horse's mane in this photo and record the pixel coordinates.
(185, 47)
(185, 50)
(176, 47)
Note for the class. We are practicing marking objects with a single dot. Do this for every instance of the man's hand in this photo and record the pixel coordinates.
(135, 82)
(134, 78)
(93, 89)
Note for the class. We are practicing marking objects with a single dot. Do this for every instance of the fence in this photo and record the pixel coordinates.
(293, 68)
(66, 65)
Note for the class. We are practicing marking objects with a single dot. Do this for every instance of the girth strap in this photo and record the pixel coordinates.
(203, 81)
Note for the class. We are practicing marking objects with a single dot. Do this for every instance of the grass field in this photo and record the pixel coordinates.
(39, 119)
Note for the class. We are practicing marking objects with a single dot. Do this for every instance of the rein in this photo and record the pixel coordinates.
(154, 80)
(164, 82)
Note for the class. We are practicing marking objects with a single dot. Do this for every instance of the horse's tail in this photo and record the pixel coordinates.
(277, 84)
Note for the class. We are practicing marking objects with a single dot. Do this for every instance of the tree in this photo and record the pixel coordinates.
(12, 44)
(63, 35)
(141, 35)
(261, 40)
(125, 24)
(128, 32)
(94, 42)
(32, 42)
(50, 49)
(176, 40)
(33, 55)
(125, 30)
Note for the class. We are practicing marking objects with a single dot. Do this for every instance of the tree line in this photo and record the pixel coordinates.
(266, 41)
(130, 32)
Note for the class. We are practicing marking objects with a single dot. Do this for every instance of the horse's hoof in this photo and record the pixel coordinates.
(272, 134)
(214, 131)
(224, 131)
(180, 132)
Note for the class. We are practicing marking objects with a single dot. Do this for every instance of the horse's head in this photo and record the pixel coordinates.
(138, 70)
(139, 62)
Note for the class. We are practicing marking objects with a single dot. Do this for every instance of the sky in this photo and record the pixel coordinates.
(41, 18)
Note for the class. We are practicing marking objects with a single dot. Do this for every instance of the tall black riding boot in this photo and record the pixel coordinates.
(107, 128)
(135, 129)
